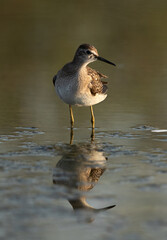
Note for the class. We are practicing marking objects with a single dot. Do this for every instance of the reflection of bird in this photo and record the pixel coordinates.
(78, 84)
(79, 169)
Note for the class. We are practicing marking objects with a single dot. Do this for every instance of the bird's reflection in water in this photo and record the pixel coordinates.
(79, 170)
(72, 135)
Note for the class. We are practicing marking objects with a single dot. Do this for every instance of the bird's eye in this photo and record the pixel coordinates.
(88, 52)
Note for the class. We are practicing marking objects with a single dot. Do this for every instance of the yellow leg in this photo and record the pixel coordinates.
(92, 117)
(71, 116)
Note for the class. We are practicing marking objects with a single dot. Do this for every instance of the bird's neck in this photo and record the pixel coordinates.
(79, 63)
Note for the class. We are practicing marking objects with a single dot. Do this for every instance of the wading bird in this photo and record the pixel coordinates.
(77, 84)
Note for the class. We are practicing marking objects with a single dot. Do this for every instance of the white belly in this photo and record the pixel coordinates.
(73, 96)
(80, 99)
(89, 99)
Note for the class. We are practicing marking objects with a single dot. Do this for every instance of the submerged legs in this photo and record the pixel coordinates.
(92, 117)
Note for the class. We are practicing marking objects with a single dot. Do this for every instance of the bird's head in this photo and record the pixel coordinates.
(87, 53)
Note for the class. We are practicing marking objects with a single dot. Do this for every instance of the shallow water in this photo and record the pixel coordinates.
(51, 189)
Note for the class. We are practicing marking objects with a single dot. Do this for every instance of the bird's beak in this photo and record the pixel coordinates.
(104, 60)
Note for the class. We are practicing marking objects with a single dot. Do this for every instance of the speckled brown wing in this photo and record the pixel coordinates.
(94, 176)
(97, 86)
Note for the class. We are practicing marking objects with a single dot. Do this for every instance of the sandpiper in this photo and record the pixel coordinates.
(77, 84)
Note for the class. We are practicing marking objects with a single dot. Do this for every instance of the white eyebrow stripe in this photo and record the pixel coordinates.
(95, 53)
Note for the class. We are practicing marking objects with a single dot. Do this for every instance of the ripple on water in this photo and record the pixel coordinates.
(153, 187)
(143, 128)
(31, 151)
(157, 134)
(141, 132)
(20, 133)
(27, 131)
(117, 134)
(137, 179)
